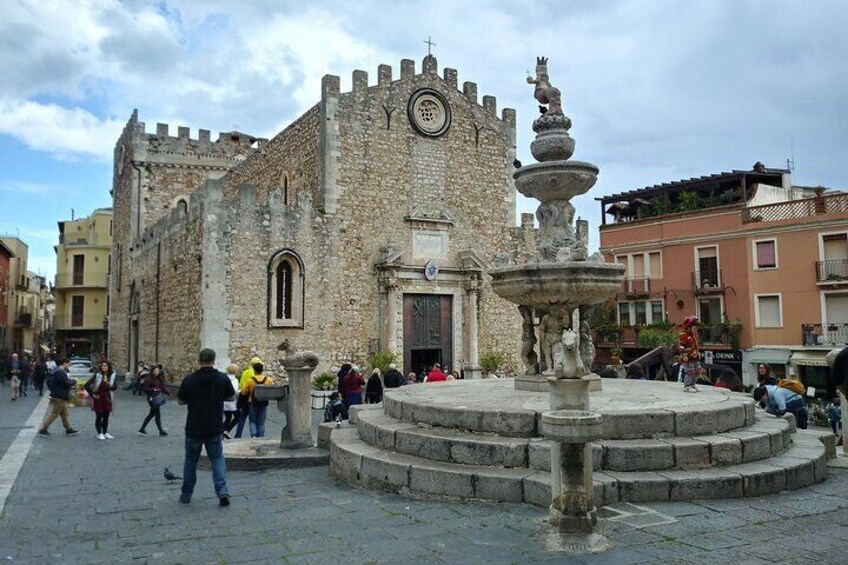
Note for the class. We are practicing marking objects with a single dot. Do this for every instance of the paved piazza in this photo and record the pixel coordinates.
(79, 500)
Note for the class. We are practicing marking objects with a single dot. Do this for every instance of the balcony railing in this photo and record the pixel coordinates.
(24, 320)
(795, 209)
(834, 270)
(824, 335)
(707, 282)
(80, 322)
(722, 334)
(96, 279)
(636, 287)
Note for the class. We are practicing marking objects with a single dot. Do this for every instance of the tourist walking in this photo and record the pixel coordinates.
(26, 370)
(99, 388)
(39, 374)
(154, 388)
(231, 410)
(340, 377)
(60, 388)
(13, 373)
(352, 387)
(393, 378)
(778, 401)
(258, 409)
(242, 401)
(374, 388)
(204, 392)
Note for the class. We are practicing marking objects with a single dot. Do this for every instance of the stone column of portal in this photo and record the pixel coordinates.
(391, 317)
(298, 431)
(472, 363)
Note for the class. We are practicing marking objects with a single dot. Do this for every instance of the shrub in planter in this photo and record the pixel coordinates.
(325, 381)
(381, 360)
(491, 361)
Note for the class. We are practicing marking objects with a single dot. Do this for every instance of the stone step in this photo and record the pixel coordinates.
(358, 463)
(767, 437)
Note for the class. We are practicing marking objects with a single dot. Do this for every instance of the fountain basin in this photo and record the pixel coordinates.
(555, 180)
(547, 285)
(572, 426)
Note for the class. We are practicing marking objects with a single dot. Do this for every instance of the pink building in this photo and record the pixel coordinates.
(762, 263)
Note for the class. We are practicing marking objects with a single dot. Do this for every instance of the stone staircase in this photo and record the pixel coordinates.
(724, 449)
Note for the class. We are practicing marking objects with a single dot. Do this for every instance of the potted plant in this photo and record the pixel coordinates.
(323, 386)
(615, 355)
(491, 361)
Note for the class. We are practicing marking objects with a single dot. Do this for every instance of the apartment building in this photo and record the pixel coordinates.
(21, 299)
(762, 263)
(6, 284)
(81, 290)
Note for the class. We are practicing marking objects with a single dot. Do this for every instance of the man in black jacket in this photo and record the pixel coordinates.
(205, 391)
(60, 389)
(393, 378)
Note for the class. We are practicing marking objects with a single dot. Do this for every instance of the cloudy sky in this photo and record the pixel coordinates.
(657, 90)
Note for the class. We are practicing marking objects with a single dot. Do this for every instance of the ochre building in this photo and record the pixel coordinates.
(366, 225)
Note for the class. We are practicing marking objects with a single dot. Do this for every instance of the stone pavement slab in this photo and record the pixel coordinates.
(80, 500)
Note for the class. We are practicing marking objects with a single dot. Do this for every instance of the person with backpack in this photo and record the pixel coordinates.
(335, 409)
(257, 408)
(154, 387)
(99, 388)
(778, 401)
(60, 388)
(242, 401)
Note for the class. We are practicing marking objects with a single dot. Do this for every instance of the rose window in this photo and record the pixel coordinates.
(429, 113)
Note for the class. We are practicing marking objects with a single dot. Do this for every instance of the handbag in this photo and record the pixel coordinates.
(158, 400)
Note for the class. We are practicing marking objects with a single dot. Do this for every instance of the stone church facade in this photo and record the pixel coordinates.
(366, 225)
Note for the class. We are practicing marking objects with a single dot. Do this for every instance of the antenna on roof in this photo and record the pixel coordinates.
(790, 162)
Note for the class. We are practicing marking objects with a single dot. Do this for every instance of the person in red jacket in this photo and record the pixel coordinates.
(435, 375)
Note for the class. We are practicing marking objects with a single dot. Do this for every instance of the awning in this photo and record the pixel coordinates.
(810, 358)
(770, 356)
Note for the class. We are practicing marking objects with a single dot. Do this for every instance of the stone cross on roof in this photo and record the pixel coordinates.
(430, 44)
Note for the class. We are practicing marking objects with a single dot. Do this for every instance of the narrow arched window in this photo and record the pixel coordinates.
(285, 290)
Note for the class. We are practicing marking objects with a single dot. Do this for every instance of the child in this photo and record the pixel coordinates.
(834, 414)
(691, 372)
(335, 409)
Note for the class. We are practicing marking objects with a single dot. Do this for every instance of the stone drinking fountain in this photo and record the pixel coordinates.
(555, 284)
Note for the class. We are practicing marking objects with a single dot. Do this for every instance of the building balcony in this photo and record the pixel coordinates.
(824, 335)
(636, 287)
(833, 271)
(85, 279)
(797, 209)
(24, 320)
(719, 335)
(707, 282)
(65, 323)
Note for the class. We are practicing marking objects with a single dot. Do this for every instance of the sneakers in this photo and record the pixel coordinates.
(185, 498)
(43, 433)
(224, 500)
(71, 432)
(109, 436)
(226, 435)
(163, 433)
(142, 432)
(101, 437)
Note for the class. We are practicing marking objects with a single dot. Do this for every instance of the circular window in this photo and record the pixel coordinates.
(429, 112)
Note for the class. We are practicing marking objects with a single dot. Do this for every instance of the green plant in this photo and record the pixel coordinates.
(325, 381)
(652, 337)
(688, 201)
(659, 205)
(491, 361)
(601, 316)
(381, 360)
(616, 351)
(663, 325)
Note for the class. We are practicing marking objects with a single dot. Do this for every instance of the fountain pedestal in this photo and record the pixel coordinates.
(298, 410)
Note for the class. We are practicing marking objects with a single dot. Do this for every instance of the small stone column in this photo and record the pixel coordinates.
(472, 363)
(391, 318)
(298, 431)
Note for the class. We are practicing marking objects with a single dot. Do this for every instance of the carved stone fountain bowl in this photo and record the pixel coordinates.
(547, 285)
(555, 180)
(572, 426)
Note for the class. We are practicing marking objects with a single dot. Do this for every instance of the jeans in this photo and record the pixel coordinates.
(257, 420)
(154, 414)
(243, 413)
(215, 452)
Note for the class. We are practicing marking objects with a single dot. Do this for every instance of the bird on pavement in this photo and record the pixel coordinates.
(170, 476)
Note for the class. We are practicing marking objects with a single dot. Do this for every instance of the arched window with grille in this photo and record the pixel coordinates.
(285, 290)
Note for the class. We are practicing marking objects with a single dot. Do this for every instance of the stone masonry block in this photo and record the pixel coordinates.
(759, 479)
(627, 424)
(709, 483)
(392, 407)
(385, 471)
(710, 418)
(500, 484)
(537, 489)
(689, 453)
(610, 490)
(444, 479)
(724, 450)
(640, 486)
(799, 472)
(521, 424)
(489, 452)
(755, 445)
(637, 455)
(539, 454)
(421, 444)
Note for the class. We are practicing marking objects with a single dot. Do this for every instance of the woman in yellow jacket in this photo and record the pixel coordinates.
(257, 408)
(242, 404)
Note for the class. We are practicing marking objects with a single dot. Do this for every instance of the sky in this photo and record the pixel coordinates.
(657, 90)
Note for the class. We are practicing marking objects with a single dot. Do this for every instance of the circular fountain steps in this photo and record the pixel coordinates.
(494, 454)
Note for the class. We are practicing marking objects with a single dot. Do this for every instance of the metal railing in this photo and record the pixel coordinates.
(72, 322)
(636, 286)
(832, 270)
(794, 209)
(718, 334)
(824, 335)
(99, 279)
(706, 282)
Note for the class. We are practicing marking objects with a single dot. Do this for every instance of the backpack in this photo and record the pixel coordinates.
(252, 399)
(791, 384)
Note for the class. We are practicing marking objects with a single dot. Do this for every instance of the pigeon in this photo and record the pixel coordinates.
(170, 476)
(516, 164)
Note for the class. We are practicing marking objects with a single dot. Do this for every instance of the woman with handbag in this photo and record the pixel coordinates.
(99, 389)
(154, 387)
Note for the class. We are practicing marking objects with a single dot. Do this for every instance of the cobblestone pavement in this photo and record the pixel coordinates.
(80, 500)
